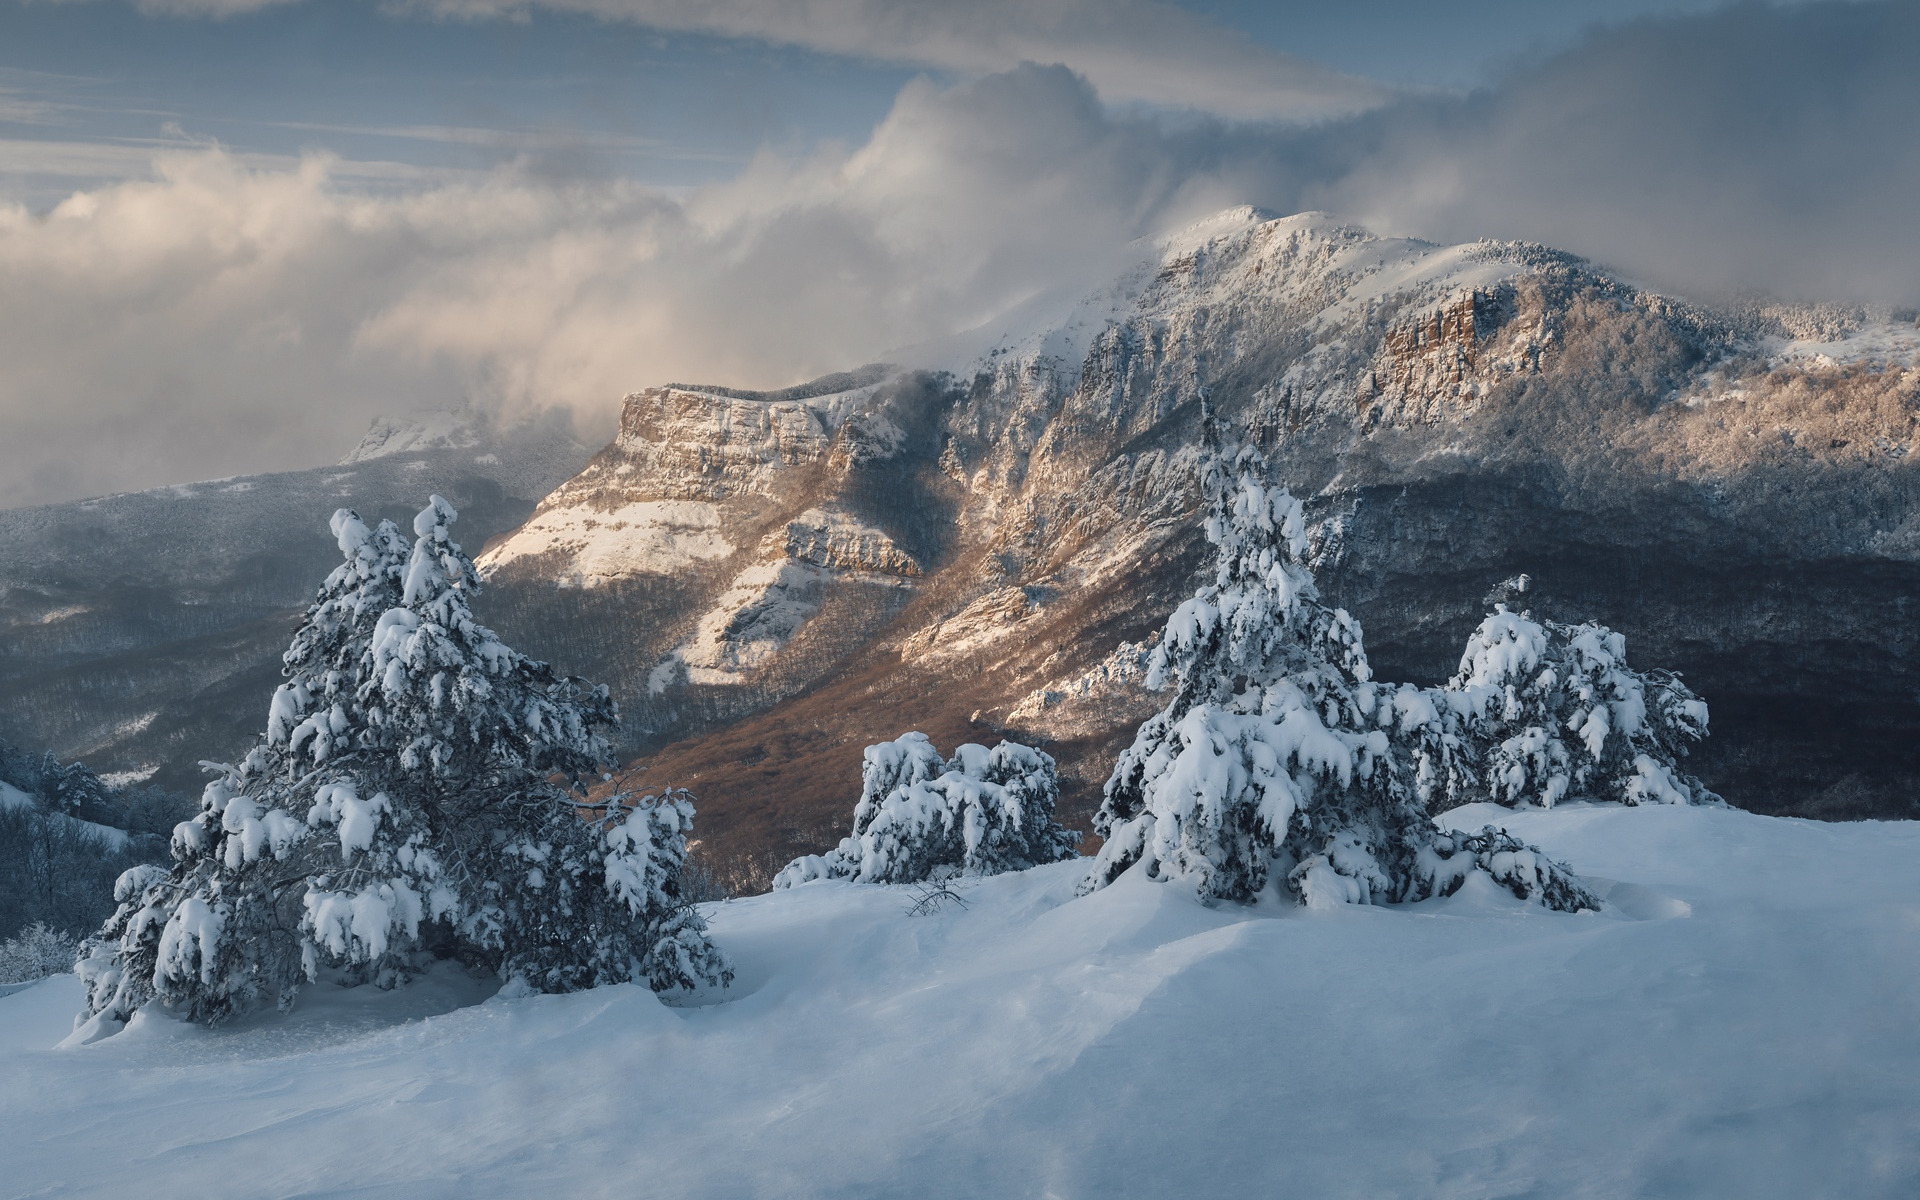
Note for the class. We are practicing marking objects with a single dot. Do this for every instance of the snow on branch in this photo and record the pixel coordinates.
(1556, 713)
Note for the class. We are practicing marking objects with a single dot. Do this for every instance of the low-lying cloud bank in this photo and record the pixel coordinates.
(219, 319)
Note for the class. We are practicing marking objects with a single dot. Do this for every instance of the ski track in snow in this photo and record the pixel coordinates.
(1741, 1022)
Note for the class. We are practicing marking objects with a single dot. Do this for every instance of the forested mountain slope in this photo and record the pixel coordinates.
(143, 631)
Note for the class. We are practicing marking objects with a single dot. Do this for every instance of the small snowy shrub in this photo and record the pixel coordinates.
(931, 897)
(1519, 868)
(420, 790)
(1554, 712)
(35, 953)
(920, 817)
(1278, 754)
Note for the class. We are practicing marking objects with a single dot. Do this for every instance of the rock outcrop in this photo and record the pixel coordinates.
(744, 541)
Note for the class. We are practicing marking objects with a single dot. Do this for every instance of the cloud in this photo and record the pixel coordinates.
(231, 315)
(1773, 148)
(1132, 50)
(528, 141)
(227, 317)
(205, 8)
(196, 324)
(135, 158)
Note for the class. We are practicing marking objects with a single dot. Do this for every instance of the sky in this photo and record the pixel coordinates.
(233, 232)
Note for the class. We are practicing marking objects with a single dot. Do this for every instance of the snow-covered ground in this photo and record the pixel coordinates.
(1743, 1021)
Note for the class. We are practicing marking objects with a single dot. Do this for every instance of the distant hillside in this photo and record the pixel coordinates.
(143, 632)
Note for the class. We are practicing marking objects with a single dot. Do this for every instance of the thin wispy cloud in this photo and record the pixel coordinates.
(75, 160)
(43, 97)
(1131, 50)
(134, 158)
(18, 108)
(520, 140)
(206, 8)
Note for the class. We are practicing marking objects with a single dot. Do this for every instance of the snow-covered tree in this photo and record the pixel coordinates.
(1555, 713)
(221, 931)
(922, 817)
(421, 789)
(1278, 752)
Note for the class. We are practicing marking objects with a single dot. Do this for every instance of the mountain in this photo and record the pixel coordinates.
(143, 631)
(440, 429)
(978, 539)
(978, 542)
(1738, 1021)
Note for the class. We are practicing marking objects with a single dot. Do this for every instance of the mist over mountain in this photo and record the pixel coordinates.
(1759, 147)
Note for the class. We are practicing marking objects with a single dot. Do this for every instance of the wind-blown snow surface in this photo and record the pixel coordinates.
(1741, 1022)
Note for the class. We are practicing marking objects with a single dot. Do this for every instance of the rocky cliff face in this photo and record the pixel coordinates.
(741, 543)
(983, 545)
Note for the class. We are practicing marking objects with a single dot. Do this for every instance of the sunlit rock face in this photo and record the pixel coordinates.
(743, 543)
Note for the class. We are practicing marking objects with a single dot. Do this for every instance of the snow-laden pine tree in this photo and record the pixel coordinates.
(420, 790)
(220, 932)
(1554, 713)
(1279, 755)
(921, 817)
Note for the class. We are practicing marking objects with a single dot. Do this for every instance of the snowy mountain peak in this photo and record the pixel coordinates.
(1225, 223)
(436, 429)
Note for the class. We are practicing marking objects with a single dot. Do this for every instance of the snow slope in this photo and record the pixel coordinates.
(1741, 1022)
(12, 798)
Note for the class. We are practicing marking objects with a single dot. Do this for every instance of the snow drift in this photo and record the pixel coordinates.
(1740, 1020)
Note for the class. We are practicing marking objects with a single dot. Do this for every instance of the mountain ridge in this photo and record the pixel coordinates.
(1456, 415)
(772, 580)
